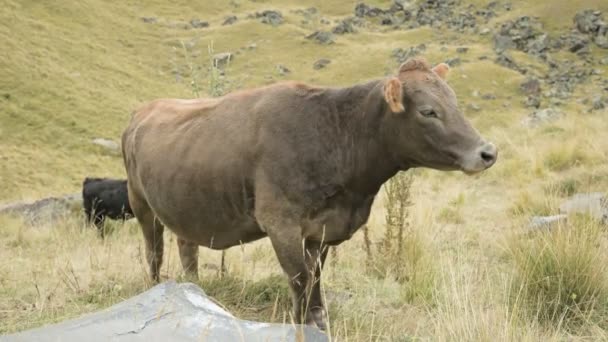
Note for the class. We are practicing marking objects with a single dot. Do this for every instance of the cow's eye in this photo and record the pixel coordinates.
(428, 112)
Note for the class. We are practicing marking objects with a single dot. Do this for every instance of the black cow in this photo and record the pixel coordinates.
(105, 197)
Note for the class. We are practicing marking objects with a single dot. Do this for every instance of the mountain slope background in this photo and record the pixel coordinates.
(530, 77)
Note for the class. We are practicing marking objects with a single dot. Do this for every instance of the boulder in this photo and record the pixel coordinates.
(167, 312)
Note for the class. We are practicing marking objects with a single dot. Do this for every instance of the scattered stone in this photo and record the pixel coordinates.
(462, 21)
(483, 58)
(452, 62)
(488, 96)
(197, 23)
(283, 70)
(485, 31)
(401, 55)
(321, 63)
(274, 18)
(106, 143)
(506, 60)
(46, 210)
(594, 204)
(524, 34)
(347, 26)
(564, 78)
(252, 46)
(604, 61)
(462, 49)
(547, 221)
(577, 44)
(308, 12)
(149, 20)
(388, 20)
(588, 21)
(532, 101)
(530, 86)
(542, 116)
(321, 37)
(324, 21)
(591, 23)
(229, 20)
(363, 10)
(474, 107)
(220, 60)
(598, 102)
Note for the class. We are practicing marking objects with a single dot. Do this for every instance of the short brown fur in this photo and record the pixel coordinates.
(299, 164)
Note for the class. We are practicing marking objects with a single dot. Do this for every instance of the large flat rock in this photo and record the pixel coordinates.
(166, 312)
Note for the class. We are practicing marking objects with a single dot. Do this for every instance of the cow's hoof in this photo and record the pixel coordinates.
(317, 317)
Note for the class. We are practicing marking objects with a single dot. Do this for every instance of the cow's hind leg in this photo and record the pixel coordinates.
(152, 230)
(188, 254)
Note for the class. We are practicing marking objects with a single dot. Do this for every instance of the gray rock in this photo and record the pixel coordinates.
(149, 20)
(604, 61)
(541, 116)
(488, 96)
(507, 61)
(321, 63)
(401, 55)
(283, 70)
(601, 37)
(531, 86)
(587, 21)
(197, 23)
(321, 37)
(363, 10)
(106, 143)
(524, 34)
(462, 49)
(594, 204)
(167, 312)
(46, 210)
(229, 20)
(485, 31)
(547, 221)
(273, 18)
(347, 26)
(474, 107)
(453, 61)
(221, 60)
(598, 102)
(532, 101)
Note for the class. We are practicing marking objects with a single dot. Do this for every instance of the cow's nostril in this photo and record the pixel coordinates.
(488, 157)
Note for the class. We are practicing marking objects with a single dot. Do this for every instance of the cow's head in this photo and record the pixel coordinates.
(425, 127)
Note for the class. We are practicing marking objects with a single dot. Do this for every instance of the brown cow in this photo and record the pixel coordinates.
(299, 164)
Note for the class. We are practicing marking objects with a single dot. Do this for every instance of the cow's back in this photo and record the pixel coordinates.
(193, 162)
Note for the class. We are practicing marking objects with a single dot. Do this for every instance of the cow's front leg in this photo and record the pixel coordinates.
(188, 254)
(316, 253)
(286, 237)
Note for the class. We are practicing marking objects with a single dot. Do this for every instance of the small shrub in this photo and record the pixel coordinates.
(402, 252)
(561, 275)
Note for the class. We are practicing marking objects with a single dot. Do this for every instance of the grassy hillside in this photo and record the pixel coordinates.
(71, 72)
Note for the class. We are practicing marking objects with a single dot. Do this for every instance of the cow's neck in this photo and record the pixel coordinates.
(363, 105)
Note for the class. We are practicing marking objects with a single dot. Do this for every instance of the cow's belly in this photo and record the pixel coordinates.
(217, 218)
(338, 221)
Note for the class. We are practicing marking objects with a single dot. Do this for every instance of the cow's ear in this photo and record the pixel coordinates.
(441, 70)
(393, 94)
